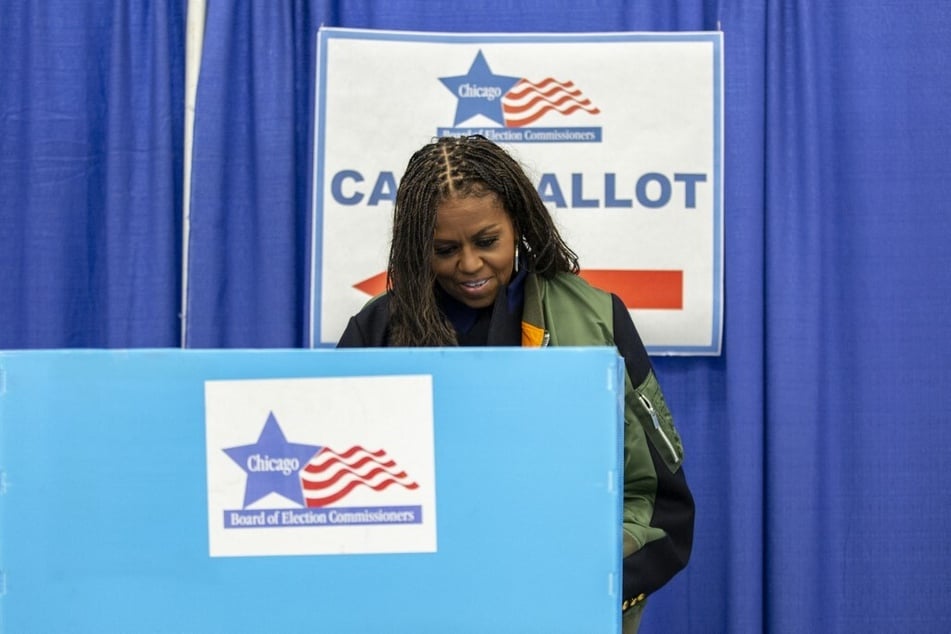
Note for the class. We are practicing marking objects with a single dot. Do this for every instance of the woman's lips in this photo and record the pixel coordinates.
(474, 287)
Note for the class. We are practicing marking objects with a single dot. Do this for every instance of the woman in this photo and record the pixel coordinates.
(476, 260)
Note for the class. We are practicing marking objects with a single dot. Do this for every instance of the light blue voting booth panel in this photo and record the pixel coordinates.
(440, 490)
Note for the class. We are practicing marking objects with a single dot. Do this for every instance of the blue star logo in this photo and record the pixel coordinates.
(273, 465)
(480, 91)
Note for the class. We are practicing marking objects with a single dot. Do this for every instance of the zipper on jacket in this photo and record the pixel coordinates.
(653, 414)
(545, 339)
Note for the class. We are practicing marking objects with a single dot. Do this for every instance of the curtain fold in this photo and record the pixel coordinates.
(248, 246)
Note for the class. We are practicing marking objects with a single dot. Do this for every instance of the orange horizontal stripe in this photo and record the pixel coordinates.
(658, 289)
(641, 288)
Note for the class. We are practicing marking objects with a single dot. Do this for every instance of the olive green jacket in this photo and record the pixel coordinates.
(658, 507)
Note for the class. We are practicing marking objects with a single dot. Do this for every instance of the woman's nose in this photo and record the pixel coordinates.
(469, 261)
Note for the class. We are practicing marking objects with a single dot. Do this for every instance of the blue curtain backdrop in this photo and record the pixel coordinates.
(816, 442)
(90, 173)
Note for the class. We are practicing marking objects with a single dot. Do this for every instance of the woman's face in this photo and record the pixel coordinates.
(474, 249)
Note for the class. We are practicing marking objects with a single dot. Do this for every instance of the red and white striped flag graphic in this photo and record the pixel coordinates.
(528, 101)
(330, 476)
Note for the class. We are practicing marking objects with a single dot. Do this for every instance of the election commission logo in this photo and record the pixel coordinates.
(515, 104)
(317, 480)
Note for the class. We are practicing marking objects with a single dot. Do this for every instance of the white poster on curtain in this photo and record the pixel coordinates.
(621, 132)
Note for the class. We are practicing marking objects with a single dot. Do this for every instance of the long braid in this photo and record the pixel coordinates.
(459, 167)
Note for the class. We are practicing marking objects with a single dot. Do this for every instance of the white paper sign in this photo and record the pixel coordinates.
(621, 132)
(320, 466)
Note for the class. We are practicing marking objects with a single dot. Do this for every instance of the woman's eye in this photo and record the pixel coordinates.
(444, 251)
(485, 243)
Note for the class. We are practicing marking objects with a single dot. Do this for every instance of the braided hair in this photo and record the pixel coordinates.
(459, 167)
